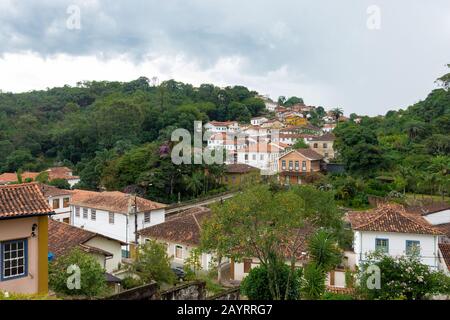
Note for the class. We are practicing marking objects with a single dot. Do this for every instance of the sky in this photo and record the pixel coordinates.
(366, 57)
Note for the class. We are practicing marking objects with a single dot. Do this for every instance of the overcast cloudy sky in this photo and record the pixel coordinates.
(322, 51)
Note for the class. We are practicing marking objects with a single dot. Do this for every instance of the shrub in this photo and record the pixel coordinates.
(255, 287)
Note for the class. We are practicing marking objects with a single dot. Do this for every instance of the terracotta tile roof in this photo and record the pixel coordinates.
(240, 168)
(222, 123)
(22, 200)
(326, 137)
(114, 201)
(445, 251)
(339, 290)
(63, 237)
(183, 228)
(60, 173)
(51, 191)
(445, 228)
(264, 148)
(306, 153)
(391, 218)
(9, 177)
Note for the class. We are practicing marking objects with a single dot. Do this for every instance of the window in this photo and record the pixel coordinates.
(303, 165)
(14, 259)
(254, 156)
(297, 165)
(77, 212)
(412, 247)
(55, 204)
(66, 202)
(246, 157)
(85, 213)
(93, 214)
(147, 217)
(247, 265)
(290, 164)
(316, 145)
(261, 157)
(111, 217)
(326, 155)
(178, 252)
(325, 146)
(382, 245)
(283, 164)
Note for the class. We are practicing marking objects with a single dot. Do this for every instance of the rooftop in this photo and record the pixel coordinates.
(391, 218)
(114, 201)
(326, 137)
(240, 168)
(445, 250)
(22, 200)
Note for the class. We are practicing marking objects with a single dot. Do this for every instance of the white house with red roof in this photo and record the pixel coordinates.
(222, 126)
(392, 230)
(263, 155)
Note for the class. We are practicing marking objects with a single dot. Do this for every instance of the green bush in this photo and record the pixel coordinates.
(255, 285)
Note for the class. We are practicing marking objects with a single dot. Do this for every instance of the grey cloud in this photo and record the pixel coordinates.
(323, 41)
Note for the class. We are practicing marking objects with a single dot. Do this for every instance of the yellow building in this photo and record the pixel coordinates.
(238, 174)
(295, 120)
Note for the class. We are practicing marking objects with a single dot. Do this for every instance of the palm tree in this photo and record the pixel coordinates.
(194, 183)
(337, 113)
(323, 250)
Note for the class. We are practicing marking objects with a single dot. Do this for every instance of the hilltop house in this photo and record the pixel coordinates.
(262, 155)
(257, 121)
(323, 145)
(222, 126)
(63, 238)
(24, 215)
(113, 214)
(181, 234)
(62, 173)
(238, 174)
(296, 165)
(392, 230)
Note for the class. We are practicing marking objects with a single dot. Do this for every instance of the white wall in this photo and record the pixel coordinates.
(364, 243)
(438, 217)
(110, 246)
(123, 227)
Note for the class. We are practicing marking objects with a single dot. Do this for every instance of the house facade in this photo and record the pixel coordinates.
(222, 126)
(295, 165)
(391, 230)
(323, 145)
(113, 214)
(262, 155)
(24, 215)
(181, 234)
(63, 238)
(64, 173)
(59, 201)
(257, 121)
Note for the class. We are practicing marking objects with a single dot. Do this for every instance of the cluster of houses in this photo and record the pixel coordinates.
(38, 223)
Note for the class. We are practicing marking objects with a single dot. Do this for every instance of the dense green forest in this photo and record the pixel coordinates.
(405, 151)
(114, 127)
(115, 135)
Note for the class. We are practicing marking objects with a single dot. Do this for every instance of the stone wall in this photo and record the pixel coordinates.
(189, 291)
(230, 294)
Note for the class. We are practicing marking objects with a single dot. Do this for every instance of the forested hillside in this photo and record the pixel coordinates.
(99, 123)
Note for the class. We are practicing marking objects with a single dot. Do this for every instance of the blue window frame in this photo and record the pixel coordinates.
(13, 259)
(412, 247)
(382, 245)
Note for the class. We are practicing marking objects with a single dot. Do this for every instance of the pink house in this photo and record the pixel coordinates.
(24, 215)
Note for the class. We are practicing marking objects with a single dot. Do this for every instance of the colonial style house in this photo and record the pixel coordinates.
(323, 145)
(296, 165)
(257, 121)
(262, 155)
(272, 124)
(24, 215)
(222, 126)
(392, 230)
(63, 238)
(181, 234)
(226, 141)
(62, 173)
(58, 200)
(113, 214)
(239, 174)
